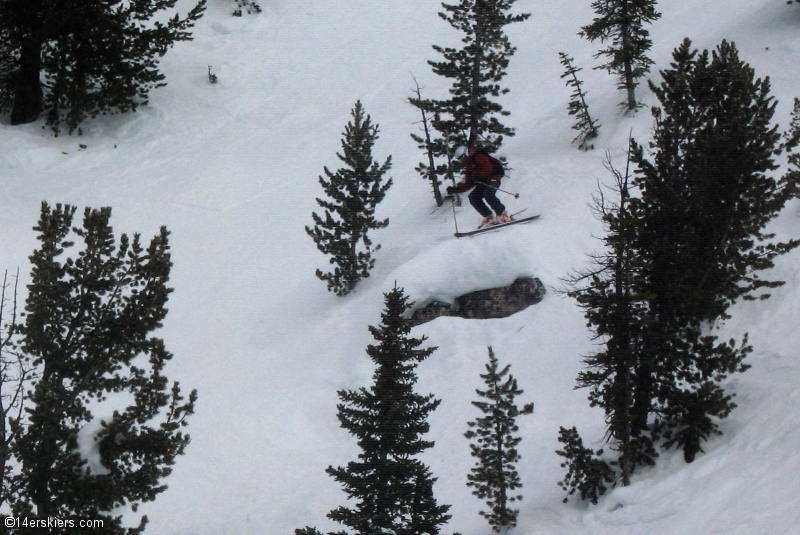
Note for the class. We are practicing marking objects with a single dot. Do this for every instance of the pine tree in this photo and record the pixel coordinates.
(613, 297)
(706, 199)
(472, 114)
(7, 72)
(791, 143)
(354, 193)
(708, 185)
(587, 472)
(87, 334)
(75, 60)
(587, 127)
(393, 488)
(622, 22)
(678, 255)
(494, 476)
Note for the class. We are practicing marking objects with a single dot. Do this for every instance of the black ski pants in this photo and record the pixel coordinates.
(487, 192)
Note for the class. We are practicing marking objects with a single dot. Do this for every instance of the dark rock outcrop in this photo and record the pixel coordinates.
(484, 304)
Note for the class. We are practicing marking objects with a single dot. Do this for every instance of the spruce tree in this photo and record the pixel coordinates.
(88, 336)
(622, 24)
(393, 489)
(75, 60)
(587, 127)
(472, 114)
(706, 199)
(353, 195)
(494, 476)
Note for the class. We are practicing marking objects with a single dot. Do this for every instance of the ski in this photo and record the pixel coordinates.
(512, 218)
(495, 227)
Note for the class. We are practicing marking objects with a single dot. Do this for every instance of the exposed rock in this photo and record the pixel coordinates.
(484, 304)
(431, 311)
(501, 302)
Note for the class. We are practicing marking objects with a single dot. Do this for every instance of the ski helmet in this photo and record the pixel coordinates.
(460, 152)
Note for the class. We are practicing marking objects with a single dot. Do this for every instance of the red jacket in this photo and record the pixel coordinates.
(477, 168)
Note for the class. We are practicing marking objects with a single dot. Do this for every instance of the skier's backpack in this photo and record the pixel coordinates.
(498, 169)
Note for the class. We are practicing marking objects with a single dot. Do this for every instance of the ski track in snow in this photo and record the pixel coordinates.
(231, 169)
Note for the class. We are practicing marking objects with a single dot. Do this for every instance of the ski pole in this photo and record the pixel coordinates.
(453, 205)
(516, 195)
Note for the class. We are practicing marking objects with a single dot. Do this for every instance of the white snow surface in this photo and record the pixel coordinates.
(231, 169)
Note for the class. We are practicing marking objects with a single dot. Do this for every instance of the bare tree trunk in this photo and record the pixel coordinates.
(41, 473)
(630, 84)
(502, 499)
(474, 112)
(627, 461)
(13, 381)
(432, 174)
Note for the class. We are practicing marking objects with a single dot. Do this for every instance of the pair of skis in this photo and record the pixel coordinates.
(487, 228)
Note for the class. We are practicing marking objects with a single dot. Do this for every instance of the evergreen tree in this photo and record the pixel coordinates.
(587, 472)
(587, 127)
(393, 489)
(792, 141)
(706, 199)
(678, 255)
(472, 114)
(354, 193)
(87, 334)
(622, 23)
(494, 475)
(614, 300)
(75, 60)
(708, 185)
(7, 73)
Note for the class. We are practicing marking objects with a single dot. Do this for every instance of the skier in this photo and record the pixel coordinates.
(482, 174)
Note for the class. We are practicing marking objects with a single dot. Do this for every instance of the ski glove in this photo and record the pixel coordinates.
(450, 190)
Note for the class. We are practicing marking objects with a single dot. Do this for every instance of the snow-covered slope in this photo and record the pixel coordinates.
(232, 170)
